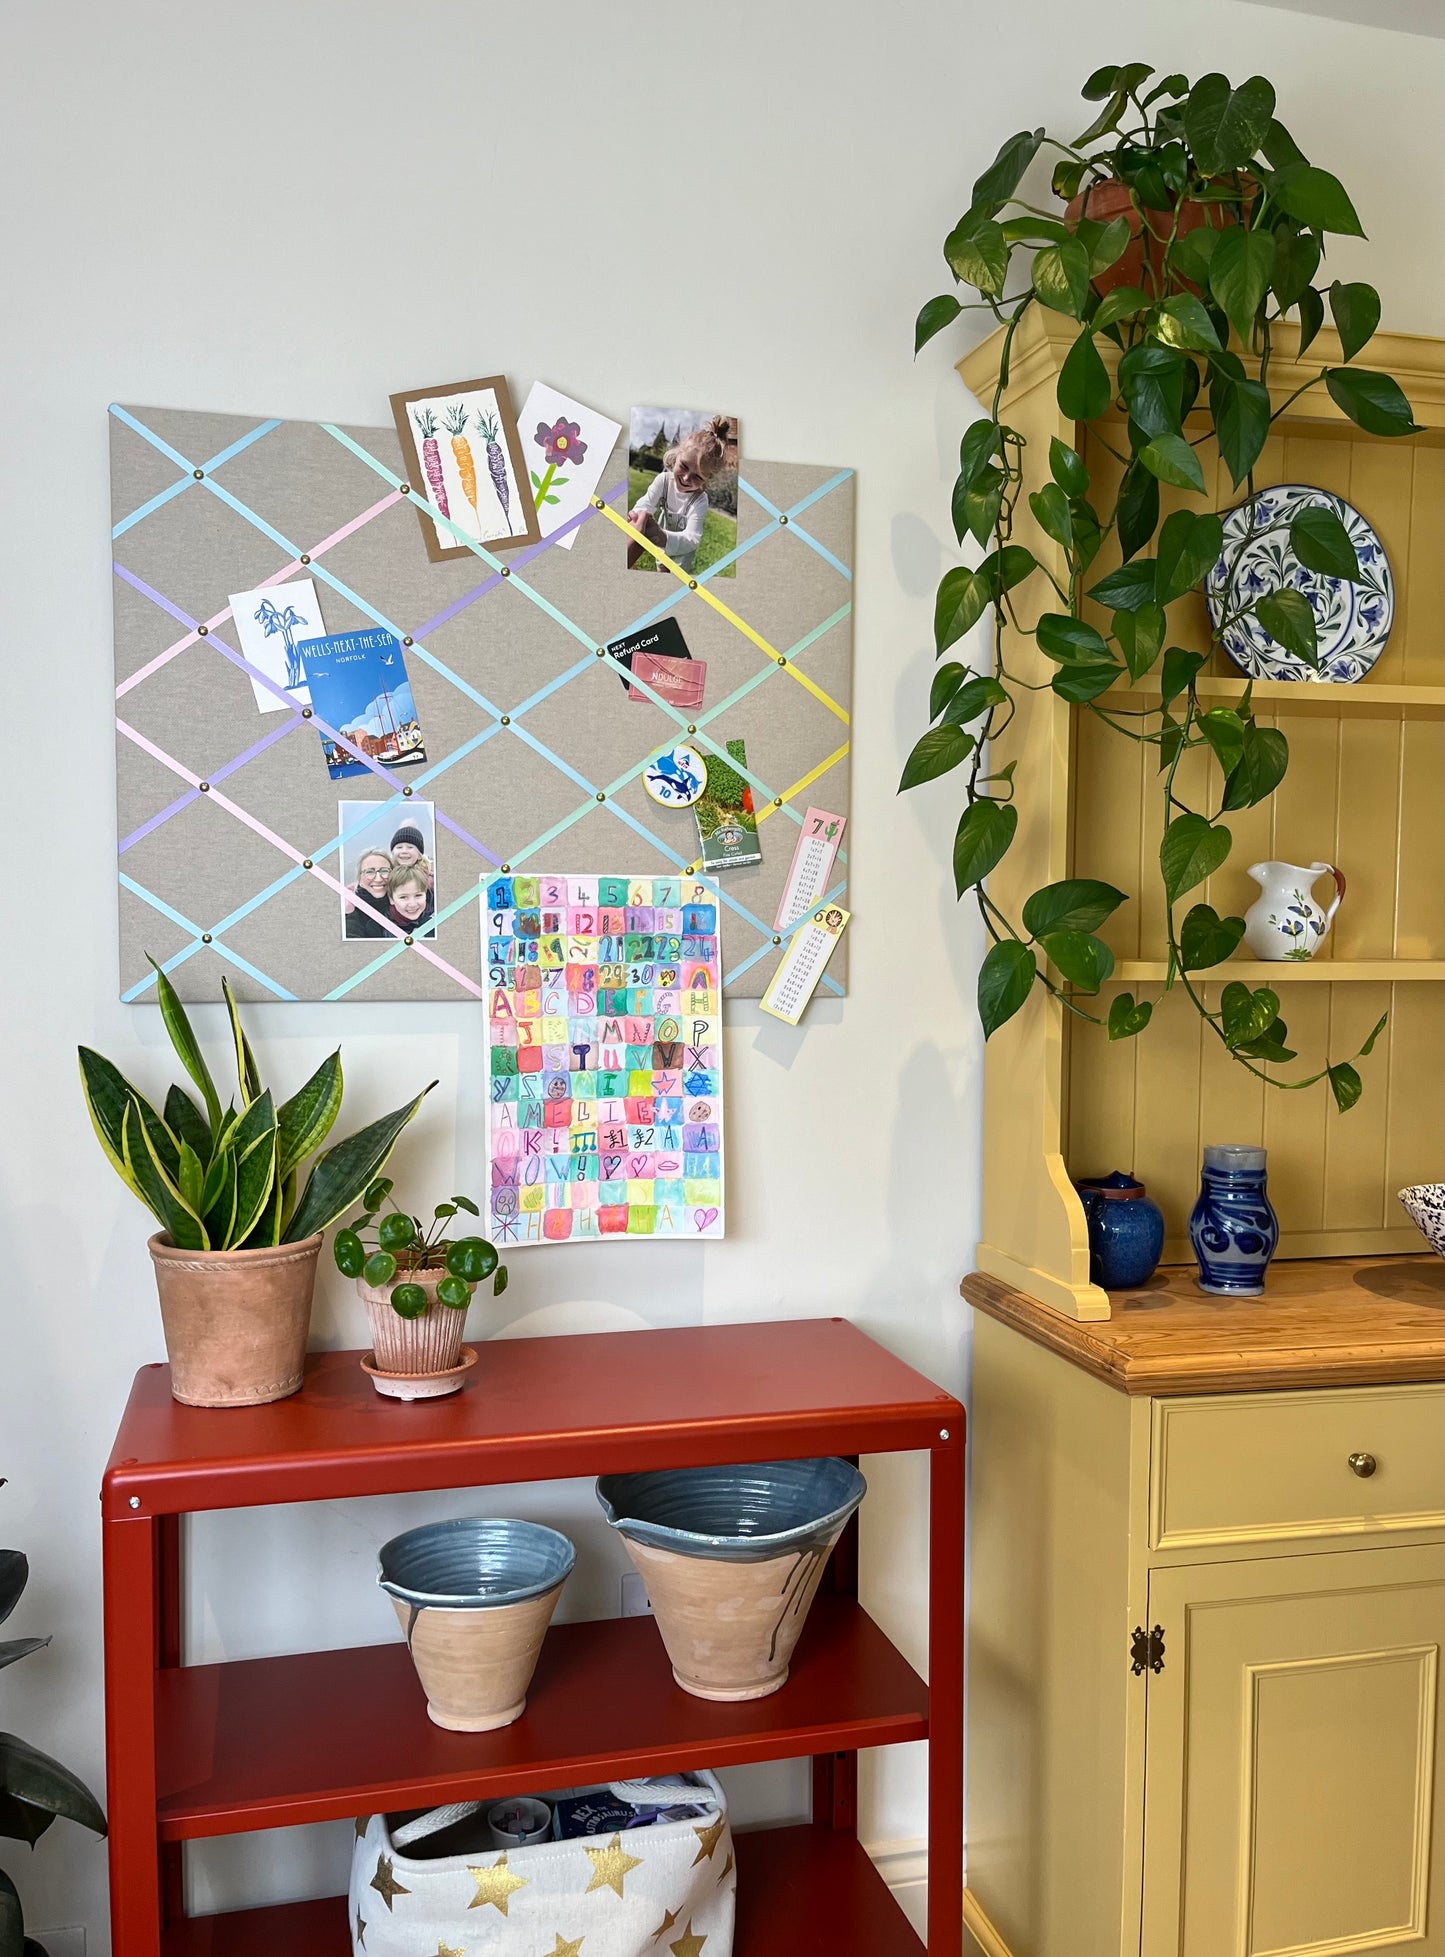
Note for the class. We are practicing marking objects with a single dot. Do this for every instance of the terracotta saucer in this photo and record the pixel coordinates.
(419, 1386)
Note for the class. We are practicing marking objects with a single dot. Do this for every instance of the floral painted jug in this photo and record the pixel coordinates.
(1284, 921)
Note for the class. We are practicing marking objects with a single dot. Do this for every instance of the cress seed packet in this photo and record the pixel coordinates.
(664, 639)
(360, 689)
(727, 825)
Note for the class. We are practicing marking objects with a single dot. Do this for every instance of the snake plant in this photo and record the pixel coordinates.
(227, 1179)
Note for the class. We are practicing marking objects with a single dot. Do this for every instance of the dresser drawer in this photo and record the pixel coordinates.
(1260, 1467)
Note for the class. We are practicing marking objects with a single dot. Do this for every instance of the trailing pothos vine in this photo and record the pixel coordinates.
(1223, 230)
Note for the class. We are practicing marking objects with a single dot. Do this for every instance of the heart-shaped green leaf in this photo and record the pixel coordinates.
(1321, 543)
(1260, 768)
(1239, 274)
(1193, 849)
(1066, 466)
(973, 698)
(1126, 1018)
(1075, 904)
(1180, 666)
(1206, 938)
(1374, 402)
(1246, 1014)
(977, 252)
(1140, 635)
(1241, 411)
(1083, 390)
(1225, 126)
(1181, 321)
(1345, 1085)
(1189, 545)
(1288, 619)
(933, 317)
(1224, 731)
(1080, 684)
(1355, 310)
(1070, 641)
(935, 753)
(1172, 460)
(985, 830)
(1051, 511)
(1316, 198)
(1126, 589)
(1061, 277)
(963, 598)
(1005, 980)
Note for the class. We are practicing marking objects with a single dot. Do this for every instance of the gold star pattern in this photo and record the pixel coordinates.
(687, 1944)
(495, 1885)
(385, 1883)
(362, 1822)
(450, 1950)
(611, 1866)
(727, 1869)
(360, 1930)
(709, 1838)
(562, 1948)
(668, 1922)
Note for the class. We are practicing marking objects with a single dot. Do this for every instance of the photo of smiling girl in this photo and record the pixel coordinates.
(388, 864)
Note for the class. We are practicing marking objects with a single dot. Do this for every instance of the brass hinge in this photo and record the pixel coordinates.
(1146, 1649)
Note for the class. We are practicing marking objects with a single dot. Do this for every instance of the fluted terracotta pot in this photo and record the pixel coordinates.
(236, 1321)
(475, 1665)
(429, 1344)
(730, 1628)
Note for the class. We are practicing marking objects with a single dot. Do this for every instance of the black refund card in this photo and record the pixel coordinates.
(665, 639)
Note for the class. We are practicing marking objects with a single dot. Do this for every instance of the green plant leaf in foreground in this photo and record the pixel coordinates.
(934, 754)
(1193, 849)
(341, 1174)
(1126, 1018)
(985, 830)
(36, 1790)
(1005, 980)
(1075, 904)
(1206, 938)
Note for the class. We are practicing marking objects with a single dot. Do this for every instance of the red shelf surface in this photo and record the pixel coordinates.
(272, 1742)
(535, 1410)
(802, 1892)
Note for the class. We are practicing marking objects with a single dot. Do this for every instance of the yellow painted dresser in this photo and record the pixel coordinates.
(1206, 1615)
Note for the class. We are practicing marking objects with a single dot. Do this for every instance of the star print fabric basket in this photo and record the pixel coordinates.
(665, 1890)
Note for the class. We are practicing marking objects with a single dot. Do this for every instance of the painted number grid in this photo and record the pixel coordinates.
(605, 1042)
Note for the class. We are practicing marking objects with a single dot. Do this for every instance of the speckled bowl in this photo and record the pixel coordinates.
(732, 1558)
(1424, 1204)
(475, 1598)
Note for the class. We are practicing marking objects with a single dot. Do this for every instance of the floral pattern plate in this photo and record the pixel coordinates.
(1352, 620)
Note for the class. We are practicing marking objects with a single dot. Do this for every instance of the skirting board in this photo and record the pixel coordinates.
(976, 1923)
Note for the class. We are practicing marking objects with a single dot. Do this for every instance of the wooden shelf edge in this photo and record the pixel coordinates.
(221, 1727)
(1320, 971)
(1309, 696)
(805, 1888)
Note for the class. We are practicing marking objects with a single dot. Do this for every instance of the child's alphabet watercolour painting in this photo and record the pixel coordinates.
(605, 1045)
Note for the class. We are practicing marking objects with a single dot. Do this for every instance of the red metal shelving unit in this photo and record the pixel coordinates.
(204, 1750)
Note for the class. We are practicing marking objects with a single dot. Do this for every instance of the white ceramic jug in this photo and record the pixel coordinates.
(1284, 921)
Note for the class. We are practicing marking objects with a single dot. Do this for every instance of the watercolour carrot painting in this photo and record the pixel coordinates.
(462, 453)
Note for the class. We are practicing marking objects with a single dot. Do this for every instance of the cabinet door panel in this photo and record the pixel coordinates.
(1292, 1785)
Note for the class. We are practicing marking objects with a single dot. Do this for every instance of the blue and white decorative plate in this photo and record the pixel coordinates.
(1352, 620)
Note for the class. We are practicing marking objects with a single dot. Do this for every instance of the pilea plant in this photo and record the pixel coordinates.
(1208, 228)
(404, 1243)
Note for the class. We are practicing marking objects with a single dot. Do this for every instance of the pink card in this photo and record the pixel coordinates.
(679, 681)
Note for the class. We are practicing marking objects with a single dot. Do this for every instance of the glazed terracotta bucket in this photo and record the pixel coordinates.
(474, 1598)
(236, 1321)
(429, 1344)
(732, 1557)
(730, 1628)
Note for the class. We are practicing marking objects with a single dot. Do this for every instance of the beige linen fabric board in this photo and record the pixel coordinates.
(214, 880)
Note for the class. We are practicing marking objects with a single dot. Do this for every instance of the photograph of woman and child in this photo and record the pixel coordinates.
(388, 864)
(683, 488)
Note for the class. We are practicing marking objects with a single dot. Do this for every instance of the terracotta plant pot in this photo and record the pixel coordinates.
(429, 1344)
(235, 1321)
(732, 1558)
(1110, 199)
(475, 1599)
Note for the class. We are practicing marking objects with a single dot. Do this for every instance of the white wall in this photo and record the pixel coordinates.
(233, 207)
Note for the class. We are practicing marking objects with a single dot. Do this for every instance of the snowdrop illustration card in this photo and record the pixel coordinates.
(360, 689)
(567, 447)
(271, 623)
(462, 454)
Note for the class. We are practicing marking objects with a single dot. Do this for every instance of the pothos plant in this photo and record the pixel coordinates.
(404, 1244)
(1217, 234)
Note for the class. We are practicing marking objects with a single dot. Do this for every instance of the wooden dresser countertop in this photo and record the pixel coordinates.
(1338, 1321)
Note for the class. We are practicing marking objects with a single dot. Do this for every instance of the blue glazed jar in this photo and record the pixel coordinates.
(1126, 1230)
(1232, 1227)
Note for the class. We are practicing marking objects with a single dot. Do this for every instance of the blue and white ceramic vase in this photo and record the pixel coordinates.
(1126, 1230)
(1232, 1227)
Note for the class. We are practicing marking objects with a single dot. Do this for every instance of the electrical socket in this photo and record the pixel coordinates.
(635, 1601)
(62, 1943)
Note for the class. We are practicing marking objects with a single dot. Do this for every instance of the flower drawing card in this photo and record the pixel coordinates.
(567, 447)
(461, 452)
(271, 624)
(360, 689)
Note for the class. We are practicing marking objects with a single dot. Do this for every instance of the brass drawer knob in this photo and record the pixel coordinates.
(1364, 1465)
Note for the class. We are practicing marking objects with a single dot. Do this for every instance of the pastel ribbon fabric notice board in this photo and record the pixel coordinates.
(502, 734)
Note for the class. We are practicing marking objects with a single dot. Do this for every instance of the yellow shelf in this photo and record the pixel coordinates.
(1374, 971)
(1306, 696)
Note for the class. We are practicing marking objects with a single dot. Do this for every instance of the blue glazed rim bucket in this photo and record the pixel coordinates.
(471, 1563)
(742, 1513)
